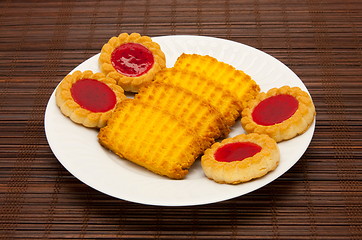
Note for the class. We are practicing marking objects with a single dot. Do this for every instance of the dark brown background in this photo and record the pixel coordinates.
(319, 198)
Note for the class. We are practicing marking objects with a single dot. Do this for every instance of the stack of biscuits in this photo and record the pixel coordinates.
(175, 118)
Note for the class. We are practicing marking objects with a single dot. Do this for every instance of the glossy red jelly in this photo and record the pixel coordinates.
(275, 109)
(132, 59)
(236, 151)
(93, 95)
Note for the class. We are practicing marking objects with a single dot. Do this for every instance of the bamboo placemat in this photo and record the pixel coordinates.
(319, 198)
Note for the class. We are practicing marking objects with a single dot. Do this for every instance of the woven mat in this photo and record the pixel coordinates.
(319, 198)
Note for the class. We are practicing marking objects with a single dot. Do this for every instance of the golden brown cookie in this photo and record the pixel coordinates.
(131, 60)
(88, 98)
(241, 158)
(153, 138)
(282, 113)
(189, 107)
(211, 92)
(236, 82)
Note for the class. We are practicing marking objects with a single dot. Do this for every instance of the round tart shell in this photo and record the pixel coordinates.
(247, 169)
(74, 111)
(131, 84)
(297, 124)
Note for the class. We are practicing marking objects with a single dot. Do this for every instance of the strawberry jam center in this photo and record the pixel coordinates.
(275, 109)
(236, 151)
(93, 95)
(132, 59)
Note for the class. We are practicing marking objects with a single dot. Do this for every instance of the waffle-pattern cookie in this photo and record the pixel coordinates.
(176, 117)
(153, 138)
(219, 98)
(189, 107)
(131, 60)
(239, 84)
(88, 98)
(241, 158)
(282, 113)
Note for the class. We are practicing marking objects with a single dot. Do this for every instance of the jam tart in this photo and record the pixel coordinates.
(132, 60)
(88, 98)
(241, 158)
(282, 113)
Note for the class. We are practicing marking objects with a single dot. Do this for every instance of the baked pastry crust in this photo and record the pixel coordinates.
(297, 124)
(70, 108)
(247, 169)
(128, 83)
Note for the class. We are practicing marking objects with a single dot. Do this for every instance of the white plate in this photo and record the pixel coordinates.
(78, 150)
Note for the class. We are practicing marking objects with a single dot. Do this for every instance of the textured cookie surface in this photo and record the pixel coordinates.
(152, 138)
(219, 98)
(192, 109)
(238, 83)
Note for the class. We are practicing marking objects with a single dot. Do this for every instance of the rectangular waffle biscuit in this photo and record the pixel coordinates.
(219, 98)
(242, 87)
(193, 110)
(152, 138)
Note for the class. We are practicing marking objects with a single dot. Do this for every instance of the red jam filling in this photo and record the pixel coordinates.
(132, 59)
(93, 95)
(236, 151)
(275, 109)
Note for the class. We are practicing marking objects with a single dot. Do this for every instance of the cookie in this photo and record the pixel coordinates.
(236, 82)
(189, 107)
(241, 158)
(219, 98)
(88, 98)
(282, 113)
(152, 138)
(132, 60)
